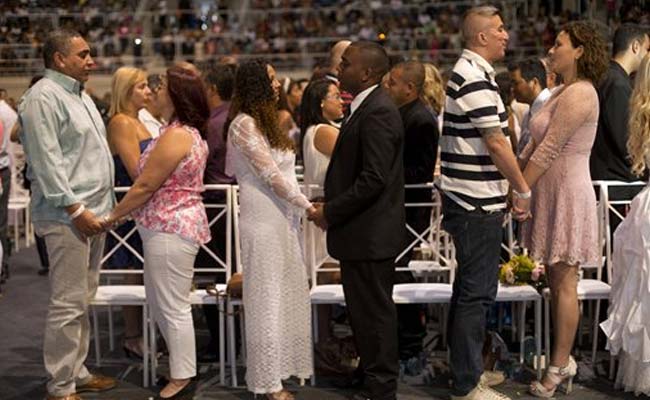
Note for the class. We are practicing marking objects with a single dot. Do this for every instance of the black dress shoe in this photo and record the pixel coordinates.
(208, 357)
(349, 382)
(359, 396)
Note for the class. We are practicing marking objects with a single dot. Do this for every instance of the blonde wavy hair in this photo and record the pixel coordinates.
(124, 80)
(433, 92)
(638, 143)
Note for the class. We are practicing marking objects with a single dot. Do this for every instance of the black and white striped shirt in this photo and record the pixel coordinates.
(469, 177)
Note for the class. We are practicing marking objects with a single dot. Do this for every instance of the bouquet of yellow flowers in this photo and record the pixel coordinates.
(522, 270)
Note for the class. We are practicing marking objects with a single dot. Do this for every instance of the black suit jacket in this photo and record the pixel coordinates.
(420, 142)
(609, 157)
(364, 186)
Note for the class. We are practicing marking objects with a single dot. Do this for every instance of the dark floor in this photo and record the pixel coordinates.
(22, 312)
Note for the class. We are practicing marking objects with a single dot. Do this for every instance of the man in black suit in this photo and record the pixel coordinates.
(405, 84)
(364, 214)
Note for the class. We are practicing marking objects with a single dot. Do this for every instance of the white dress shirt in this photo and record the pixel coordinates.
(359, 99)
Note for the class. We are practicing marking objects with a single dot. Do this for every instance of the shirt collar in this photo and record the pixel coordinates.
(479, 61)
(67, 82)
(358, 99)
(540, 100)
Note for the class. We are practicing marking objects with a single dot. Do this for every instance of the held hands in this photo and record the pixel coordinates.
(316, 215)
(521, 206)
(87, 223)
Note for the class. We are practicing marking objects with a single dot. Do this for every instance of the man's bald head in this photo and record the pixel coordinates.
(336, 52)
(373, 56)
(363, 65)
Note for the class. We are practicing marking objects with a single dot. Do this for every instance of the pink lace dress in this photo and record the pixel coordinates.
(564, 226)
(177, 206)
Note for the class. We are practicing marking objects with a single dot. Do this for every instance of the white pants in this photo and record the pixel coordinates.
(168, 271)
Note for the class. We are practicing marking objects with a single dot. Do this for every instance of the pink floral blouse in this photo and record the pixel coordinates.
(177, 206)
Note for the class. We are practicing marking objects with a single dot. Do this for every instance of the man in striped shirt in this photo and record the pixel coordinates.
(477, 165)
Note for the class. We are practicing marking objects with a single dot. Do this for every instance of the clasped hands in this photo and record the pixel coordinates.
(520, 208)
(316, 214)
(89, 224)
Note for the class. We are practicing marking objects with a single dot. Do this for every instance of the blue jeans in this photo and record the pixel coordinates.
(477, 237)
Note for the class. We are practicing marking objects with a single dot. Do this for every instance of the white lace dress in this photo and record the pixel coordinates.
(628, 325)
(276, 292)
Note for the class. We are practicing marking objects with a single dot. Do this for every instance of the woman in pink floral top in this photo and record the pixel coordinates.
(166, 203)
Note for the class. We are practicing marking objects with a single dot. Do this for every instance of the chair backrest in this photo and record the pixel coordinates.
(217, 264)
(432, 240)
(608, 206)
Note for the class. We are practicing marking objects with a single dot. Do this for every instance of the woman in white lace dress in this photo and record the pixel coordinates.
(628, 325)
(276, 292)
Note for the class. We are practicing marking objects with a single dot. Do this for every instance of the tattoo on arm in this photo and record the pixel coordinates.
(487, 133)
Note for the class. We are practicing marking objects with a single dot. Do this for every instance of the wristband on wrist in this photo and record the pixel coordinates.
(523, 196)
(78, 212)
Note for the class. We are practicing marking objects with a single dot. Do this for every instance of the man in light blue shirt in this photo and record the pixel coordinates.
(71, 169)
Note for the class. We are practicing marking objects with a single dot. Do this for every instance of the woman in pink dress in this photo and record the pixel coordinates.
(563, 232)
(166, 203)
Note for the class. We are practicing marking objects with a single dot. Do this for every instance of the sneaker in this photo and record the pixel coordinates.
(492, 378)
(482, 392)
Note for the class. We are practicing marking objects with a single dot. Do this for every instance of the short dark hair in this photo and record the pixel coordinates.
(625, 35)
(533, 68)
(154, 81)
(187, 93)
(413, 72)
(374, 56)
(57, 41)
(504, 82)
(221, 76)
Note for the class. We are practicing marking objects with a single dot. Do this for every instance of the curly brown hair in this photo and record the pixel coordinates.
(254, 96)
(594, 61)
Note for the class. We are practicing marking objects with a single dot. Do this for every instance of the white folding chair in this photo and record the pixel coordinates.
(20, 215)
(121, 295)
(607, 207)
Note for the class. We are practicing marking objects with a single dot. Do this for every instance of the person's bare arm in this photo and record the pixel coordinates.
(170, 150)
(504, 159)
(123, 139)
(325, 139)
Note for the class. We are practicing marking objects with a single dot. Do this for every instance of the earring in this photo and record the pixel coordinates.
(322, 105)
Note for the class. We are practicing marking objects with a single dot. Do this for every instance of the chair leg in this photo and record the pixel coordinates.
(154, 346)
(522, 330)
(96, 338)
(538, 336)
(222, 346)
(242, 329)
(595, 335)
(612, 366)
(547, 330)
(314, 327)
(231, 345)
(146, 354)
(111, 331)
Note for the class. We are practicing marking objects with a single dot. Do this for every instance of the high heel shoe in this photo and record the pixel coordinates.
(131, 352)
(281, 395)
(557, 376)
(186, 392)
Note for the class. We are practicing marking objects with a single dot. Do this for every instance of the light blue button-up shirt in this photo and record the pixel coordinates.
(65, 143)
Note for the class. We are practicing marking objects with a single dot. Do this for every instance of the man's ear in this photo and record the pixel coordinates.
(59, 59)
